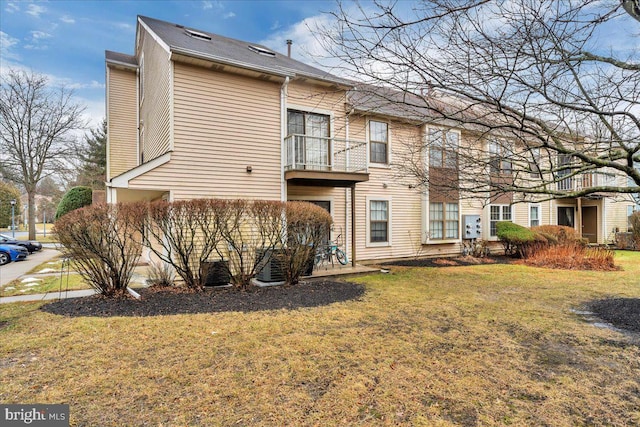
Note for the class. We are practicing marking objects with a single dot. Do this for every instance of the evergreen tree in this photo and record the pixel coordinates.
(94, 158)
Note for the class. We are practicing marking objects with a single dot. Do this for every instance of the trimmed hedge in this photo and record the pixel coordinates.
(518, 240)
(76, 198)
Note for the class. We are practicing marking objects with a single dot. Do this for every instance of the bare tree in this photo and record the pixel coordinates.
(36, 131)
(545, 112)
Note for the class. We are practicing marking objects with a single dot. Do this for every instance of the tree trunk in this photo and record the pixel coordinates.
(31, 196)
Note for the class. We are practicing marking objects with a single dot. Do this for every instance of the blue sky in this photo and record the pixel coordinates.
(66, 39)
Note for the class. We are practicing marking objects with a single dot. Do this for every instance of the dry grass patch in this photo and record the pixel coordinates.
(49, 283)
(480, 345)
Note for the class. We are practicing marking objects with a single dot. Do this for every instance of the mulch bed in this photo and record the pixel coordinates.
(166, 301)
(450, 261)
(623, 313)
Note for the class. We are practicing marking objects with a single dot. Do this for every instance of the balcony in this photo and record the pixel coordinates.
(586, 180)
(320, 161)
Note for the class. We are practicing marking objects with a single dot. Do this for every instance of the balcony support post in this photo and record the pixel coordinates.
(353, 225)
(579, 217)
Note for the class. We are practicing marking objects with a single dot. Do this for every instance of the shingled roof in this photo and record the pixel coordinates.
(201, 44)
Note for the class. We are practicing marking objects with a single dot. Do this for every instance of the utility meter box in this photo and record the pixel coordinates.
(471, 227)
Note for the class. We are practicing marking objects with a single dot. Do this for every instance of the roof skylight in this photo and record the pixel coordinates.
(197, 34)
(261, 51)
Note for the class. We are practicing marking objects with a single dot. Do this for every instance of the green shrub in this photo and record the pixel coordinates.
(75, 198)
(518, 240)
(9, 192)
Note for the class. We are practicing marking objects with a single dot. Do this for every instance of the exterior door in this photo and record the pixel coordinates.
(566, 216)
(590, 223)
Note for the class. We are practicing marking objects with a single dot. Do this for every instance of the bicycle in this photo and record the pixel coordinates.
(326, 253)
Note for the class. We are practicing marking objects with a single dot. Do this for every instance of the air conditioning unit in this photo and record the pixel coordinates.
(215, 273)
(271, 268)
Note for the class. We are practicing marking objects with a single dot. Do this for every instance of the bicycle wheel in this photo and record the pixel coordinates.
(341, 257)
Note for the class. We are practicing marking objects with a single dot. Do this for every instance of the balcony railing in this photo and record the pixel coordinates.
(314, 153)
(586, 180)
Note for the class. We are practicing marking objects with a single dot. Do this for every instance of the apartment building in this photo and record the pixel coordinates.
(192, 114)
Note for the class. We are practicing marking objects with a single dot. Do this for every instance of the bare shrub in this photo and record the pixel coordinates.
(184, 234)
(559, 234)
(160, 274)
(105, 242)
(249, 229)
(573, 256)
(634, 219)
(307, 227)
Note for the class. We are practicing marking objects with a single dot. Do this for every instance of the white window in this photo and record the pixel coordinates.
(534, 215)
(534, 163)
(443, 148)
(378, 221)
(498, 213)
(499, 158)
(378, 142)
(444, 221)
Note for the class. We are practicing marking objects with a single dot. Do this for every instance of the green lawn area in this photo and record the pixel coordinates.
(481, 345)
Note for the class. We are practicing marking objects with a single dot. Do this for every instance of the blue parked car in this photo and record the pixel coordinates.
(10, 253)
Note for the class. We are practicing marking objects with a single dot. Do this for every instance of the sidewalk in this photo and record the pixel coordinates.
(48, 296)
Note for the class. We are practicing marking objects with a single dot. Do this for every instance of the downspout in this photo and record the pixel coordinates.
(283, 131)
(348, 241)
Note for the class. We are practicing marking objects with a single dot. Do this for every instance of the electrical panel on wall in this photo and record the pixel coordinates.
(471, 227)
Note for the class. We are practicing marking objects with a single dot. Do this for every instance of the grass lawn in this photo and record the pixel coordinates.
(46, 284)
(480, 345)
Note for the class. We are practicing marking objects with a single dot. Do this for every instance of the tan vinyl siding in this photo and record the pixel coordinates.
(155, 109)
(222, 124)
(616, 219)
(122, 121)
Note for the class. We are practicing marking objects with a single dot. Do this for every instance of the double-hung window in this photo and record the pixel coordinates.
(443, 148)
(498, 213)
(499, 158)
(378, 221)
(534, 215)
(443, 221)
(378, 142)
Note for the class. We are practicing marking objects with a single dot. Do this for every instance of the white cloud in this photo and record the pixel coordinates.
(306, 45)
(206, 5)
(67, 19)
(275, 26)
(6, 44)
(40, 35)
(31, 46)
(94, 111)
(35, 10)
(124, 26)
(92, 85)
(229, 15)
(12, 7)
(37, 41)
